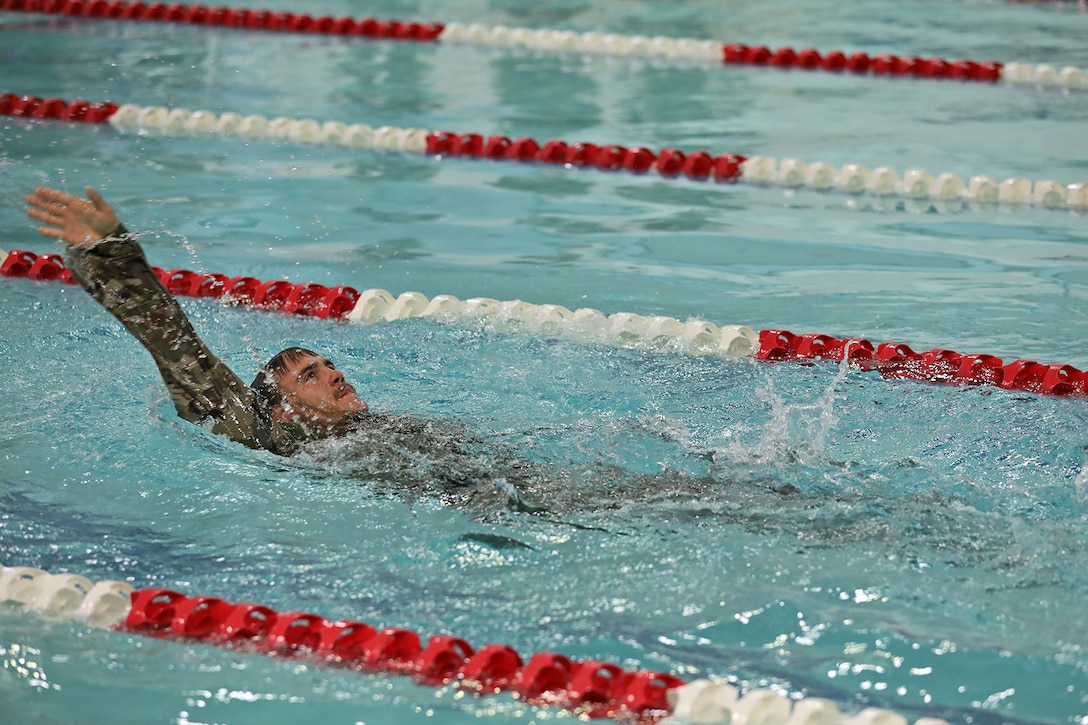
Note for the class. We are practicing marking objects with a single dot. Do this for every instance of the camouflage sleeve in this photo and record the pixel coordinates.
(116, 273)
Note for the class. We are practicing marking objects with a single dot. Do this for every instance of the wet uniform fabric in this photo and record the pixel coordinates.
(204, 389)
(416, 455)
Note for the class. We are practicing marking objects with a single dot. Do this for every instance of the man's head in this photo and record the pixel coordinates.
(300, 385)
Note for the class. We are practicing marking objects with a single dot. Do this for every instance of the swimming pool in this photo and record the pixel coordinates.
(822, 531)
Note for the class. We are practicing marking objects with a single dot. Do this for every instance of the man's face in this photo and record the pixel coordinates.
(314, 391)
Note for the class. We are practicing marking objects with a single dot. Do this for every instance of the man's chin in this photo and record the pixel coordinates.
(354, 404)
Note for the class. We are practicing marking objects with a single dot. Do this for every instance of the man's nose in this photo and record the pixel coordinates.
(337, 377)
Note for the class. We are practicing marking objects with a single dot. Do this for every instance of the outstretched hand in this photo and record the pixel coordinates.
(80, 222)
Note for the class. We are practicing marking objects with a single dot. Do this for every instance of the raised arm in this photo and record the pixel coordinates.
(110, 265)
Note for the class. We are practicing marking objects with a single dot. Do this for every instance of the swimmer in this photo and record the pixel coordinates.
(300, 401)
(297, 397)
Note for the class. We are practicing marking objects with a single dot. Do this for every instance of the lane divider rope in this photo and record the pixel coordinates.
(895, 361)
(622, 329)
(835, 61)
(544, 40)
(588, 689)
(229, 17)
(915, 184)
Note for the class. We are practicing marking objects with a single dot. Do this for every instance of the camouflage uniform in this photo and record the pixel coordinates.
(412, 453)
(116, 273)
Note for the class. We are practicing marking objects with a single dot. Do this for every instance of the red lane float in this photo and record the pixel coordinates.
(231, 18)
(612, 157)
(862, 64)
(899, 362)
(311, 300)
(12, 104)
(43, 268)
(587, 688)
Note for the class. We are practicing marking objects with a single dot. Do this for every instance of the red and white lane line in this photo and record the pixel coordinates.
(620, 329)
(588, 689)
(895, 361)
(565, 41)
(850, 178)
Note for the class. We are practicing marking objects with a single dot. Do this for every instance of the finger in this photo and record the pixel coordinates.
(36, 200)
(41, 204)
(54, 196)
(50, 232)
(97, 200)
(44, 215)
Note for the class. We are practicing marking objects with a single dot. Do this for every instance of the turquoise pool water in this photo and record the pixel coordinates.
(821, 531)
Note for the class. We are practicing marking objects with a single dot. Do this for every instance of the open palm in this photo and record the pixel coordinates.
(80, 222)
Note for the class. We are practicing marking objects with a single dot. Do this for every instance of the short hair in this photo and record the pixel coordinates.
(266, 385)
